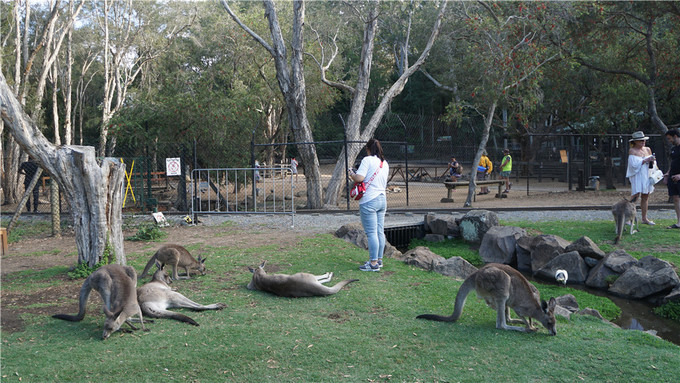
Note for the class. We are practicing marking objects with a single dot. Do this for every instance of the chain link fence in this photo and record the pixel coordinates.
(418, 149)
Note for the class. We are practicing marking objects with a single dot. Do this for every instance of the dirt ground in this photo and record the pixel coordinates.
(43, 251)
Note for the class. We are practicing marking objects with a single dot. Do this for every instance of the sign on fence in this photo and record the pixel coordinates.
(173, 167)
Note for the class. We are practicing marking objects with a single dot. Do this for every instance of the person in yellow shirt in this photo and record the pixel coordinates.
(483, 170)
(506, 168)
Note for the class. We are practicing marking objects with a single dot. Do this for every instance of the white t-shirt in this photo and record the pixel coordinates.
(377, 186)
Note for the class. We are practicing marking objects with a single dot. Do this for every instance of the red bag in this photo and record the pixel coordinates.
(357, 191)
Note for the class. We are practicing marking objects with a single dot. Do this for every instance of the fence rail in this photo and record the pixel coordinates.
(243, 191)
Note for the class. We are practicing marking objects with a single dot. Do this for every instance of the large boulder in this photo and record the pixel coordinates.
(456, 267)
(586, 247)
(354, 233)
(499, 244)
(422, 257)
(445, 226)
(614, 263)
(571, 262)
(523, 252)
(476, 223)
(648, 277)
(544, 248)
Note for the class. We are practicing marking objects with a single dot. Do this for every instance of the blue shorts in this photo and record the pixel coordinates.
(505, 174)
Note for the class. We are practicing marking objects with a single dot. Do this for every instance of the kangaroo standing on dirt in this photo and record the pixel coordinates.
(296, 285)
(504, 288)
(117, 286)
(624, 212)
(176, 256)
(156, 297)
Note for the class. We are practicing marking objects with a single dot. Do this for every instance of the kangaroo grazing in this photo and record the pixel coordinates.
(296, 285)
(624, 212)
(176, 256)
(504, 288)
(117, 286)
(156, 297)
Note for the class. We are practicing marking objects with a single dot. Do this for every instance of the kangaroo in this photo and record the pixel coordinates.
(117, 286)
(624, 212)
(176, 256)
(156, 297)
(504, 288)
(296, 285)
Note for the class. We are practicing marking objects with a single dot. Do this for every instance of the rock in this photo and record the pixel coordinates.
(499, 244)
(544, 248)
(619, 261)
(476, 223)
(571, 262)
(523, 252)
(568, 302)
(422, 257)
(561, 311)
(456, 267)
(443, 226)
(591, 262)
(586, 248)
(354, 233)
(434, 238)
(592, 312)
(673, 296)
(648, 277)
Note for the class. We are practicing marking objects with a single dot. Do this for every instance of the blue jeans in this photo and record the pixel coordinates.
(373, 220)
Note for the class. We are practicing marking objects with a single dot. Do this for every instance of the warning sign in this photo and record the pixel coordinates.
(173, 167)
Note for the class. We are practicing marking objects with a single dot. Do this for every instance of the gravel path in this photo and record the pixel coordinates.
(328, 222)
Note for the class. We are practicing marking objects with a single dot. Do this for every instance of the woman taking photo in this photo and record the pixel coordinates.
(373, 172)
(640, 159)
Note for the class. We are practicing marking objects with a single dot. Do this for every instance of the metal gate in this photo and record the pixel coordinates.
(243, 191)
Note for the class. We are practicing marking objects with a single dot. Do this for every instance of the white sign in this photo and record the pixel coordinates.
(173, 167)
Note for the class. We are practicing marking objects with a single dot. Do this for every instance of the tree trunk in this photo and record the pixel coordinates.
(482, 144)
(94, 192)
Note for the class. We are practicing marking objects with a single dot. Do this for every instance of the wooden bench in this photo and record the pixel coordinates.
(452, 185)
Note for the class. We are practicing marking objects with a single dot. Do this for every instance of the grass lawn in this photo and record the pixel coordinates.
(367, 332)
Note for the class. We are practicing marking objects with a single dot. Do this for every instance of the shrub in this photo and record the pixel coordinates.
(670, 310)
(82, 270)
(148, 232)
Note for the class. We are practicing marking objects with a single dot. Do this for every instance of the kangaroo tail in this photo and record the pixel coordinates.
(159, 313)
(463, 292)
(340, 285)
(148, 266)
(82, 304)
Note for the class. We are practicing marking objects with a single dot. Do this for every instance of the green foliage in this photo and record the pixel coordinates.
(670, 310)
(611, 279)
(451, 248)
(83, 270)
(148, 232)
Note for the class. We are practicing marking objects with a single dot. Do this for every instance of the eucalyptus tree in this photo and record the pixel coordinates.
(630, 41)
(497, 52)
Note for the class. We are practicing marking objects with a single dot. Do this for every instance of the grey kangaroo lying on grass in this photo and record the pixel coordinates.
(504, 288)
(296, 285)
(117, 286)
(156, 297)
(176, 256)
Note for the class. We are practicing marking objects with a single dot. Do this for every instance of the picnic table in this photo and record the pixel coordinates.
(450, 185)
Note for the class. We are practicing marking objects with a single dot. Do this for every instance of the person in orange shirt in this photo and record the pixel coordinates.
(483, 170)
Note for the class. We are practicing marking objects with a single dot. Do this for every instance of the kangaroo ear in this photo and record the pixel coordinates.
(202, 260)
(158, 265)
(552, 303)
(263, 264)
(251, 269)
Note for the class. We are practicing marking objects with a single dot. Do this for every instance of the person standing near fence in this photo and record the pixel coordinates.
(506, 168)
(640, 159)
(672, 176)
(483, 170)
(28, 169)
(373, 171)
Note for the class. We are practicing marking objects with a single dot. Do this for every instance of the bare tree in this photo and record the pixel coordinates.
(290, 77)
(94, 192)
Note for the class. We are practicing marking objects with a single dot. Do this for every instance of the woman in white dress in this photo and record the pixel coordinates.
(640, 159)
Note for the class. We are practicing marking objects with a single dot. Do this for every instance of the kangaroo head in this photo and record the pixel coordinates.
(200, 267)
(113, 322)
(161, 276)
(257, 273)
(548, 317)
